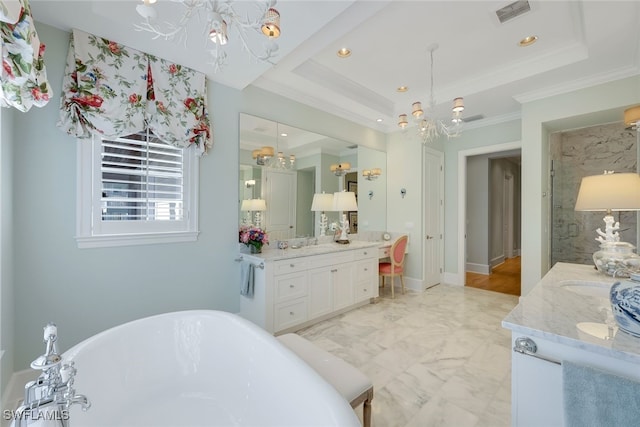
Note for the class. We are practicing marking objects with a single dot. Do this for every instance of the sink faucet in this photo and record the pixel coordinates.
(53, 390)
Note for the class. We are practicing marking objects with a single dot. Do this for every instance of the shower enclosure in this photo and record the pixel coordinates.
(574, 155)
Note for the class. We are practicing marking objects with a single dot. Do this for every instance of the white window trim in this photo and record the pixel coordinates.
(88, 174)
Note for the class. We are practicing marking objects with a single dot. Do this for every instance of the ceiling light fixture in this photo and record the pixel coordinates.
(528, 41)
(219, 17)
(402, 89)
(430, 128)
(345, 52)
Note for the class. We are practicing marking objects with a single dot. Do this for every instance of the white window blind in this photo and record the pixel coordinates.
(142, 179)
(136, 190)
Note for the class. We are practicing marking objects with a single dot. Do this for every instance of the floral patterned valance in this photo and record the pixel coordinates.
(23, 82)
(112, 90)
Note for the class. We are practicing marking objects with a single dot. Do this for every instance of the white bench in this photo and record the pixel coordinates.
(352, 384)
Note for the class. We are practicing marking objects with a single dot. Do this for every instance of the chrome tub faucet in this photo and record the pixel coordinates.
(51, 394)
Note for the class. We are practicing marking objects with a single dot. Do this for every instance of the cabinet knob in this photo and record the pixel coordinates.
(366, 269)
(334, 270)
(291, 286)
(365, 289)
(291, 313)
(291, 265)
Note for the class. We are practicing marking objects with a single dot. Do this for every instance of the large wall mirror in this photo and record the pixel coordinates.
(285, 166)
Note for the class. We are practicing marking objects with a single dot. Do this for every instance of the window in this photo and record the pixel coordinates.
(135, 190)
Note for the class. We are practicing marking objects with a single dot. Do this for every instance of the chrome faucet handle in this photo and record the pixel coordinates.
(68, 372)
(50, 358)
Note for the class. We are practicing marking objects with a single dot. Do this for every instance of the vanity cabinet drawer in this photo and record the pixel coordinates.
(384, 252)
(365, 290)
(290, 266)
(290, 286)
(330, 259)
(363, 253)
(290, 314)
(366, 270)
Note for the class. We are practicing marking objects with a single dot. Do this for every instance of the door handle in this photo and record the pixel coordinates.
(429, 237)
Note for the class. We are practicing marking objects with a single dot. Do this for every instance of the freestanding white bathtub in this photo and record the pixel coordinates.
(199, 368)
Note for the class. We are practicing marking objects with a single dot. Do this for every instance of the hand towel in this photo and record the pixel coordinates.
(248, 273)
(596, 398)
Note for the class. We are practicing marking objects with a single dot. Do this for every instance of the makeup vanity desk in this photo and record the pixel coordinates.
(295, 288)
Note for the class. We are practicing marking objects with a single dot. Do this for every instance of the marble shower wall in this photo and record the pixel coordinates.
(576, 154)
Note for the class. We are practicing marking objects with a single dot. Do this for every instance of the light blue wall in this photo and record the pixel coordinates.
(7, 313)
(478, 211)
(86, 291)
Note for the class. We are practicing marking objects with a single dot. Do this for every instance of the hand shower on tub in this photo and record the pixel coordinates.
(51, 394)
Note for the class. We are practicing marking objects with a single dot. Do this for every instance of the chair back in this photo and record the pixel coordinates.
(398, 249)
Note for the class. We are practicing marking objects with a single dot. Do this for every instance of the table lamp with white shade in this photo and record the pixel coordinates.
(344, 201)
(611, 192)
(322, 202)
(255, 207)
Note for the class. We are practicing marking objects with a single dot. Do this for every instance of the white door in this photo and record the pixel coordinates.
(433, 216)
(279, 192)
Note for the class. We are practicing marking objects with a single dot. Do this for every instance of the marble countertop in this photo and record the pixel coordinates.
(570, 306)
(274, 254)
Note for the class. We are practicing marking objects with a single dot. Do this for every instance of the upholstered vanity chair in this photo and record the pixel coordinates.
(396, 266)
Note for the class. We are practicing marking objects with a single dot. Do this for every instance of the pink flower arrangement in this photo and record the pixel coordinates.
(253, 237)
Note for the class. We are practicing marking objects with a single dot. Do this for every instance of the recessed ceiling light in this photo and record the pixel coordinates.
(528, 41)
(284, 134)
(379, 120)
(402, 89)
(344, 52)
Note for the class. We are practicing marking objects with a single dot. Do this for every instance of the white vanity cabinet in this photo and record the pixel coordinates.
(563, 318)
(298, 291)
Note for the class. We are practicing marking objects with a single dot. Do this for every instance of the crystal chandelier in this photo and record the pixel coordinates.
(218, 17)
(430, 128)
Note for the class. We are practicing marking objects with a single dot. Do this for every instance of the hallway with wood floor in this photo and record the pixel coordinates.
(504, 278)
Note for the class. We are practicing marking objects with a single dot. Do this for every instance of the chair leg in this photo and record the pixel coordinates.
(366, 410)
(392, 286)
(402, 281)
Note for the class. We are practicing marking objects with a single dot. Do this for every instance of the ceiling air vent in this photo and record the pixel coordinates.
(512, 10)
(472, 118)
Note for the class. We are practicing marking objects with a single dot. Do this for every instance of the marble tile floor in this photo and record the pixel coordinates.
(437, 358)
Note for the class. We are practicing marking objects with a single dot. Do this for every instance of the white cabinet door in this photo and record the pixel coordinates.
(342, 277)
(320, 292)
(279, 192)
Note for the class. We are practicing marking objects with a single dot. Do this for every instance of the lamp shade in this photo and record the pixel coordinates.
(258, 205)
(609, 192)
(253, 205)
(344, 201)
(322, 202)
(632, 116)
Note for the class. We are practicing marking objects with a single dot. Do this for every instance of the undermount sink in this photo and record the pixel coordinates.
(584, 287)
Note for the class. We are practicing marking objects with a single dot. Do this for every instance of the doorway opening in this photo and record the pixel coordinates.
(489, 218)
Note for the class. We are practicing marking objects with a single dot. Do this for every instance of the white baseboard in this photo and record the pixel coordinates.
(478, 268)
(497, 261)
(450, 278)
(516, 252)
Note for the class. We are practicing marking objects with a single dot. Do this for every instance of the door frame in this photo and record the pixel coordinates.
(462, 196)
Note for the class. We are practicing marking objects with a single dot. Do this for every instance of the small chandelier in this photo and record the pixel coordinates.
(340, 169)
(218, 17)
(430, 128)
(265, 156)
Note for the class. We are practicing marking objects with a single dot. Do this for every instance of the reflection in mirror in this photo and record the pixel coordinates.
(286, 166)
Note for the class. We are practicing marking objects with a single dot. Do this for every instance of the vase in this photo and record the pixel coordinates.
(625, 304)
(616, 257)
(255, 249)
